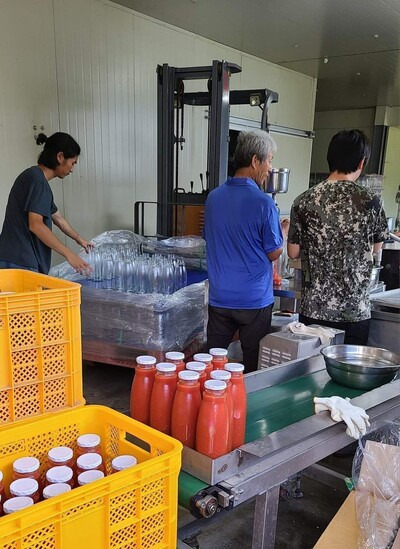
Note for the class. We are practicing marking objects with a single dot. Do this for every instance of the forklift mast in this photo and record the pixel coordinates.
(171, 98)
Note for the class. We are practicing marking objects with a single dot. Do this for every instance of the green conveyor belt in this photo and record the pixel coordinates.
(277, 407)
(274, 408)
(188, 486)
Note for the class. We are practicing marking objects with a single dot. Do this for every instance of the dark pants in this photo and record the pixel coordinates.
(356, 332)
(253, 325)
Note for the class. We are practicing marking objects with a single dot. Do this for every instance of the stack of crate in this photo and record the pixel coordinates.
(42, 406)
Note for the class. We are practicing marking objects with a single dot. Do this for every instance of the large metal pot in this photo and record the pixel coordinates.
(359, 366)
(278, 180)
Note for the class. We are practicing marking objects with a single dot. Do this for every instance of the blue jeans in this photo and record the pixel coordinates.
(9, 265)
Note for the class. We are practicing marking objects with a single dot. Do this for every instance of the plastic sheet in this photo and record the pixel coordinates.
(191, 249)
(150, 322)
(376, 473)
(183, 242)
(64, 270)
(116, 326)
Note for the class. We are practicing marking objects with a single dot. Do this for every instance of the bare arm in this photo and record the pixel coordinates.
(275, 254)
(293, 251)
(39, 229)
(66, 228)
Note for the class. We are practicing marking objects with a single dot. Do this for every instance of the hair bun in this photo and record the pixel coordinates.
(41, 139)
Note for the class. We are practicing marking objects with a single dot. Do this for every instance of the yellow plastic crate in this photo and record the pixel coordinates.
(40, 345)
(136, 508)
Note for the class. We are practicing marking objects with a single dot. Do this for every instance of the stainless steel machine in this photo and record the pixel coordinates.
(385, 321)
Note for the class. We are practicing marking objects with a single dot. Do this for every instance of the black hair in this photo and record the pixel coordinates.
(346, 150)
(58, 142)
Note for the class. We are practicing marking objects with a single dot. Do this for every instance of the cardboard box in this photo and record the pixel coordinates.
(343, 531)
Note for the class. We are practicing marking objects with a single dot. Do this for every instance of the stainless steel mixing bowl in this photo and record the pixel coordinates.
(360, 367)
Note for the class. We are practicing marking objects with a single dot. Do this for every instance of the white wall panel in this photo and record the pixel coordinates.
(154, 44)
(28, 90)
(391, 171)
(296, 93)
(257, 73)
(91, 71)
(94, 49)
(293, 153)
(327, 124)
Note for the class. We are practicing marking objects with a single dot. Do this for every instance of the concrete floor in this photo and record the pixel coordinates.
(300, 521)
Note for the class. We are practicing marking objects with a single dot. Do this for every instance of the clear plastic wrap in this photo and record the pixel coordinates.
(192, 249)
(64, 270)
(183, 242)
(126, 324)
(117, 326)
(376, 474)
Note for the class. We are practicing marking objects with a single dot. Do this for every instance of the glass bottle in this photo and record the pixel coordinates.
(177, 358)
(89, 476)
(219, 358)
(59, 474)
(88, 443)
(212, 432)
(17, 504)
(25, 487)
(206, 359)
(53, 490)
(88, 462)
(61, 455)
(120, 463)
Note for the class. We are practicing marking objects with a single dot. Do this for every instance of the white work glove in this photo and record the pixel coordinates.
(325, 334)
(354, 417)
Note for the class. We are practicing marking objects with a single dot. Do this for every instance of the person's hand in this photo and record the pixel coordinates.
(356, 419)
(86, 244)
(78, 263)
(285, 223)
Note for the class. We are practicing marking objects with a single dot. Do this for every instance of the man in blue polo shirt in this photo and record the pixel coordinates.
(244, 237)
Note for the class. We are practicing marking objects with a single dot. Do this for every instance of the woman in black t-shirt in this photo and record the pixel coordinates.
(27, 240)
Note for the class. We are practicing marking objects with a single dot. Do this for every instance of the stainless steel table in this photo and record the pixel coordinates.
(259, 467)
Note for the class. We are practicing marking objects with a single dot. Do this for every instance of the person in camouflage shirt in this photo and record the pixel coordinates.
(334, 228)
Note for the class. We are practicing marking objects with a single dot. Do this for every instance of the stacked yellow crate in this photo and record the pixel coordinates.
(41, 390)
